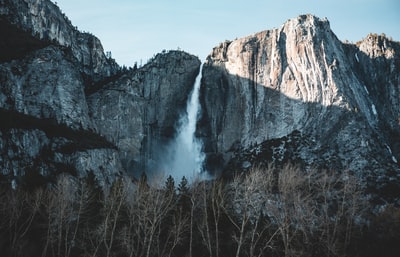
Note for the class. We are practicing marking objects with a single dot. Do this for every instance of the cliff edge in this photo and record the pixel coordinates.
(299, 94)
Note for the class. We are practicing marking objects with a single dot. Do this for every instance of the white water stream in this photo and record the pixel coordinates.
(185, 156)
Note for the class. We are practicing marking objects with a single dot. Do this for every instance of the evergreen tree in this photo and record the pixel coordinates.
(143, 185)
(170, 186)
(184, 195)
(183, 186)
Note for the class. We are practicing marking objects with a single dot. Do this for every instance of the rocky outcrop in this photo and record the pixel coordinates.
(259, 90)
(46, 85)
(63, 107)
(31, 24)
(46, 128)
(39, 147)
(139, 111)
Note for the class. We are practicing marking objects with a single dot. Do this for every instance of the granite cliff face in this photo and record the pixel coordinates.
(299, 94)
(138, 112)
(293, 94)
(41, 23)
(65, 107)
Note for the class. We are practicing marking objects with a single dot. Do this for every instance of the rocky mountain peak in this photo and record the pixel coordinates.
(298, 92)
(307, 26)
(299, 30)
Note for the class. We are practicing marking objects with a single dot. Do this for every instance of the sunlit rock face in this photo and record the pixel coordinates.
(40, 22)
(301, 79)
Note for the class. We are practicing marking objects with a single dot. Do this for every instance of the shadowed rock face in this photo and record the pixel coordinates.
(46, 126)
(65, 107)
(46, 84)
(301, 79)
(138, 112)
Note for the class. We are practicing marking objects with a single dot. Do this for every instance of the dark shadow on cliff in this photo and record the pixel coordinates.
(61, 140)
(379, 76)
(16, 43)
(79, 139)
(314, 137)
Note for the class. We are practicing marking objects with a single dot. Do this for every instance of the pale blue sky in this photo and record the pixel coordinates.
(135, 30)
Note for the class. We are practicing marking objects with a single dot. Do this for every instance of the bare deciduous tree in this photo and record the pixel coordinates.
(291, 207)
(340, 203)
(280, 211)
(65, 206)
(249, 194)
(105, 236)
(147, 207)
(18, 211)
(211, 209)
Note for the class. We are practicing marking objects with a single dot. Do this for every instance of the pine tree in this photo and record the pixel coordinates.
(183, 186)
(184, 195)
(170, 186)
(143, 185)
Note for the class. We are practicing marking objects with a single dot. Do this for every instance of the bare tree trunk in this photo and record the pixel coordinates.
(191, 228)
(205, 220)
(241, 236)
(217, 202)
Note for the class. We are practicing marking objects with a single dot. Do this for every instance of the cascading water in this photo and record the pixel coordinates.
(185, 156)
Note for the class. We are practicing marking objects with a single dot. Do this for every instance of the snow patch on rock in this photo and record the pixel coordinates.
(356, 56)
(374, 110)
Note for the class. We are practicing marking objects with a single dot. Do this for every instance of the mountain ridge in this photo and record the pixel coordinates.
(50, 77)
(292, 94)
(302, 78)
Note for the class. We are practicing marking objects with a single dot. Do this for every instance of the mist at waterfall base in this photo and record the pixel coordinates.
(183, 156)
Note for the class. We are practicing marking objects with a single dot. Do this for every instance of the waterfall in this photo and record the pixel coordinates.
(185, 156)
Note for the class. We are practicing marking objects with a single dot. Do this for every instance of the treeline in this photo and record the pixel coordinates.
(265, 212)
